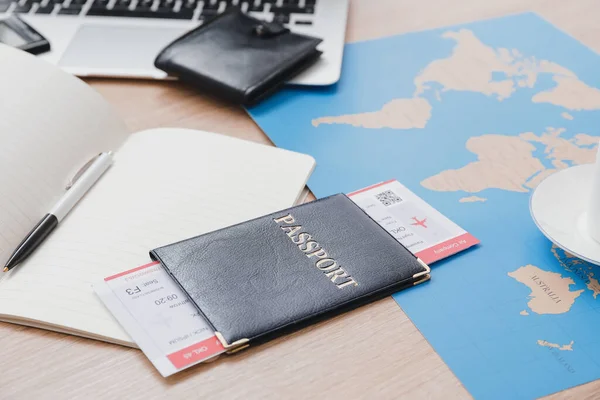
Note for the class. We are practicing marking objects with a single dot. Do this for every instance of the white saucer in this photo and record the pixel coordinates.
(559, 208)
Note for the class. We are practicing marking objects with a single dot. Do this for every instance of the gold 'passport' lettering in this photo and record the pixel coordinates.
(313, 250)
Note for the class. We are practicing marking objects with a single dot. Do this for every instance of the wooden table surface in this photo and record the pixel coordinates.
(372, 352)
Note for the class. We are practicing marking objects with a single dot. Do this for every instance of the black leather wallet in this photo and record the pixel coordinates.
(280, 272)
(237, 57)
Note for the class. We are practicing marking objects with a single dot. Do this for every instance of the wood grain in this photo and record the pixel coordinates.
(372, 352)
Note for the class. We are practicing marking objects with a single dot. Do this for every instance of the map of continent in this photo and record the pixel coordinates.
(550, 293)
(508, 162)
(397, 114)
(474, 67)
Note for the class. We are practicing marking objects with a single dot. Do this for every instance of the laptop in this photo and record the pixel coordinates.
(121, 38)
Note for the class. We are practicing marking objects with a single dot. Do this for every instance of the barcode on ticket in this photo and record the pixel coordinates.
(388, 198)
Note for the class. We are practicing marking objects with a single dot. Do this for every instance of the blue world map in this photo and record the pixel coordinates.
(471, 118)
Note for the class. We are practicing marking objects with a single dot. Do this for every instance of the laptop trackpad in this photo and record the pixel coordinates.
(104, 50)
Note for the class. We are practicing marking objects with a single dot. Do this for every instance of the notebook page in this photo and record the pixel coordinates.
(51, 123)
(165, 185)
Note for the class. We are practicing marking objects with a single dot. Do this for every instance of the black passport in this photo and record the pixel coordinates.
(280, 272)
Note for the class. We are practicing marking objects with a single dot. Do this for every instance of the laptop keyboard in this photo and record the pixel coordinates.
(200, 10)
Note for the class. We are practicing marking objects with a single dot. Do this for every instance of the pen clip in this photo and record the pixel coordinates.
(81, 171)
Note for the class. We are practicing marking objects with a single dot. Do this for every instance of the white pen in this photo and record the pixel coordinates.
(76, 191)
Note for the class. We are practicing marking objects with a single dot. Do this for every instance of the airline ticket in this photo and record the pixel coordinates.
(423, 230)
(159, 317)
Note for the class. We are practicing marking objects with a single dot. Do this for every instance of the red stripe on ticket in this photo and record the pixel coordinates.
(196, 352)
(130, 271)
(370, 187)
(447, 248)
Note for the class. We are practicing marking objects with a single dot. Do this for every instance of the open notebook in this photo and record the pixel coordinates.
(164, 185)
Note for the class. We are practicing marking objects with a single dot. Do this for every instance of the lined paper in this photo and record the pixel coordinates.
(51, 124)
(165, 185)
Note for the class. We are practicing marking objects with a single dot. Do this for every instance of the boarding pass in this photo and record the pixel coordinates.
(423, 230)
(159, 317)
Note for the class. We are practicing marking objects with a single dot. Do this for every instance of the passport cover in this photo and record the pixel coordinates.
(238, 58)
(282, 271)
